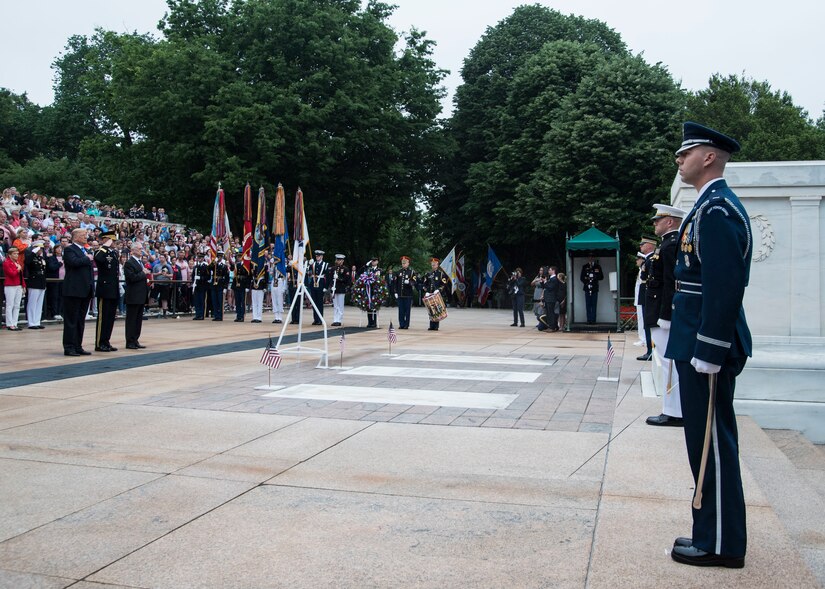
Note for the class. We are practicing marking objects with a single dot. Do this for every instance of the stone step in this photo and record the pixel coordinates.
(790, 472)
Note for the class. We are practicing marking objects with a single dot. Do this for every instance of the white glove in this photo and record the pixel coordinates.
(396, 296)
(663, 323)
(703, 367)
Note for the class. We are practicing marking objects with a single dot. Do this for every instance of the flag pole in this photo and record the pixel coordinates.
(269, 372)
(342, 350)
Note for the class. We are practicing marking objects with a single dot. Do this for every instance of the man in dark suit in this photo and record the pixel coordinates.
(107, 260)
(710, 342)
(552, 296)
(137, 292)
(78, 289)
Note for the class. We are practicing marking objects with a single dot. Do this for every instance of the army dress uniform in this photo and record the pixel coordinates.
(709, 331)
(405, 281)
(201, 277)
(591, 274)
(316, 280)
(219, 280)
(435, 280)
(107, 292)
(240, 283)
(339, 281)
(377, 274)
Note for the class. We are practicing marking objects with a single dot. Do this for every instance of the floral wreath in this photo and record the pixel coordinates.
(368, 294)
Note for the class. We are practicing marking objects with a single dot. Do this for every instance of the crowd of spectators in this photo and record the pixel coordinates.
(36, 224)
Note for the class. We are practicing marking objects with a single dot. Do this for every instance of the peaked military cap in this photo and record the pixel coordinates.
(650, 240)
(694, 134)
(108, 235)
(340, 256)
(667, 211)
(319, 252)
(405, 258)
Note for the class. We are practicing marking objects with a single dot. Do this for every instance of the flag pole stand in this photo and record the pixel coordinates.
(608, 378)
(300, 292)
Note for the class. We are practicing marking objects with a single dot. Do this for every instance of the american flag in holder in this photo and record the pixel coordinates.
(392, 336)
(610, 350)
(271, 356)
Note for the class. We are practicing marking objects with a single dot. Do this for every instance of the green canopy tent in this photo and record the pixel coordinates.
(604, 249)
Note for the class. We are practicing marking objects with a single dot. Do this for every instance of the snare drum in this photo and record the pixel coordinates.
(435, 306)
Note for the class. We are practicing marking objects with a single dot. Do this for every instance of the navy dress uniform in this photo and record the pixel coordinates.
(405, 280)
(710, 343)
(107, 261)
(316, 280)
(659, 291)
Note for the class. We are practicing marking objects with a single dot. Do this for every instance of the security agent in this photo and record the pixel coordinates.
(710, 342)
(657, 309)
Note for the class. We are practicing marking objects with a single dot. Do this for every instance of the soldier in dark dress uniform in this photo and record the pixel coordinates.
(377, 274)
(292, 287)
(435, 280)
(219, 274)
(240, 283)
(405, 280)
(591, 274)
(710, 342)
(648, 245)
(34, 270)
(316, 281)
(107, 260)
(659, 292)
(201, 277)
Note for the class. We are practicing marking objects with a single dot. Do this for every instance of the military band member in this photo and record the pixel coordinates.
(259, 283)
(316, 281)
(219, 280)
(405, 280)
(240, 283)
(435, 280)
(659, 292)
(201, 278)
(339, 282)
(107, 260)
(710, 342)
(378, 275)
(591, 274)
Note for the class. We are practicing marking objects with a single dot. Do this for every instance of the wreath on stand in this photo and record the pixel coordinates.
(368, 294)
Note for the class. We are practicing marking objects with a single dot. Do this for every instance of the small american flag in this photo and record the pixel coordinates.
(271, 356)
(343, 341)
(610, 350)
(392, 336)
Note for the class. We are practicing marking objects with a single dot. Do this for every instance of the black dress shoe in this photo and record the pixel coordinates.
(255, 321)
(102, 348)
(40, 327)
(70, 353)
(83, 352)
(663, 419)
(645, 357)
(513, 325)
(699, 558)
(240, 321)
(217, 319)
(277, 321)
(293, 323)
(139, 346)
(682, 541)
(197, 318)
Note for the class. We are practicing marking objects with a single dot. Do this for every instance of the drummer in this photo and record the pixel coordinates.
(435, 281)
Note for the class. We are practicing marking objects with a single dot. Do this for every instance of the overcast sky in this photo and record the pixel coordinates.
(780, 42)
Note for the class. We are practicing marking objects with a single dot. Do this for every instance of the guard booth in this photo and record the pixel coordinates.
(605, 249)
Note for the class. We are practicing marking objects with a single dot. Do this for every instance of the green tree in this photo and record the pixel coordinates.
(767, 123)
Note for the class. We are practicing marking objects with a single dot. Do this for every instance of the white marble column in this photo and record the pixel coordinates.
(806, 263)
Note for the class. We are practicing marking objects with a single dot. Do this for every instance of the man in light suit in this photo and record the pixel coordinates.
(137, 292)
(78, 290)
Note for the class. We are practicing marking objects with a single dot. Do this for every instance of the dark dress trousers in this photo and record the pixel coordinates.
(107, 292)
(708, 323)
(137, 293)
(78, 289)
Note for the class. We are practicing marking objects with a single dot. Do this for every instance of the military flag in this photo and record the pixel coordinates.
(301, 235)
(220, 225)
(260, 241)
(493, 268)
(280, 234)
(448, 264)
(247, 227)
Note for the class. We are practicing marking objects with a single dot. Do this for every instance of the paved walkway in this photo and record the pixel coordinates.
(170, 467)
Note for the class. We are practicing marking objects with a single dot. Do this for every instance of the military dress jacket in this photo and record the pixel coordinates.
(201, 276)
(590, 276)
(712, 270)
(219, 274)
(35, 270)
(435, 280)
(339, 279)
(316, 276)
(661, 284)
(241, 280)
(107, 261)
(405, 281)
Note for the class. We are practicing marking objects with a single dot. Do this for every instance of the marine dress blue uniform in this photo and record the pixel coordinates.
(708, 323)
